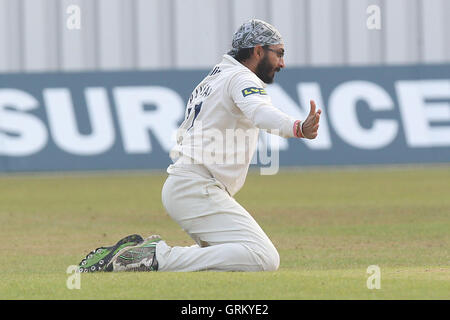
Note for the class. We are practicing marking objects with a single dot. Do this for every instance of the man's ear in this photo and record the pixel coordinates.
(258, 51)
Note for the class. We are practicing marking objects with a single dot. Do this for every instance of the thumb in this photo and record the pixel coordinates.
(312, 111)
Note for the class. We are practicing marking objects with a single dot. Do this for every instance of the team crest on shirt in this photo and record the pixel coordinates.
(252, 90)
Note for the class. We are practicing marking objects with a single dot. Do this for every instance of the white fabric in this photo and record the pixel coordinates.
(227, 237)
(198, 192)
(220, 108)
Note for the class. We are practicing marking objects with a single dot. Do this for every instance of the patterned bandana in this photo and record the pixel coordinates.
(254, 32)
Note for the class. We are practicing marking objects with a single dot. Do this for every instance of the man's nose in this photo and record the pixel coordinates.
(281, 63)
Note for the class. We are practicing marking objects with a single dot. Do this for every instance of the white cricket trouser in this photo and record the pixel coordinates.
(227, 237)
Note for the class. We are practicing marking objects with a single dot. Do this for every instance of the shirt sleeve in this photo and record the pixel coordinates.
(252, 99)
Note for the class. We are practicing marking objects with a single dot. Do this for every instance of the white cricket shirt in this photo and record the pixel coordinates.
(222, 121)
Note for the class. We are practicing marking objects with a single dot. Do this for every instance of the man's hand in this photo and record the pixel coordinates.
(311, 123)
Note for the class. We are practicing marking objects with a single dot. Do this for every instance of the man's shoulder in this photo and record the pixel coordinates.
(232, 66)
(232, 75)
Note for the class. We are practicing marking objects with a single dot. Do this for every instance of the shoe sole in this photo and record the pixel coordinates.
(99, 265)
(151, 242)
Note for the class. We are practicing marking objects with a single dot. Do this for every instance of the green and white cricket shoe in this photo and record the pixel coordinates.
(100, 257)
(141, 257)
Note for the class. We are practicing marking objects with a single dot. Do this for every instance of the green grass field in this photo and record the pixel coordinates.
(328, 225)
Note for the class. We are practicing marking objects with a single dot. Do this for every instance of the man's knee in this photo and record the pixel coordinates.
(269, 258)
(272, 260)
(262, 257)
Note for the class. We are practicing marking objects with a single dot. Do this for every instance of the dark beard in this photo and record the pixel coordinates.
(263, 70)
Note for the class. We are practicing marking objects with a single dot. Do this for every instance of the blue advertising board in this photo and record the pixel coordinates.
(126, 120)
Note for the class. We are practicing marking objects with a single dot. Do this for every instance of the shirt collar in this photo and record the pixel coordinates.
(232, 60)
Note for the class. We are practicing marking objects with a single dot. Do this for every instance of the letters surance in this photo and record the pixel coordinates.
(23, 134)
(27, 124)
